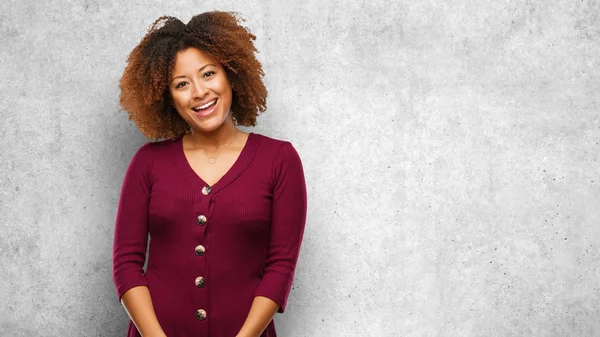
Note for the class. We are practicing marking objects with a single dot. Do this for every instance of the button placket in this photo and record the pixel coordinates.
(202, 216)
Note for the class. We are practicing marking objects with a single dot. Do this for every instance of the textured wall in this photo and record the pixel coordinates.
(450, 150)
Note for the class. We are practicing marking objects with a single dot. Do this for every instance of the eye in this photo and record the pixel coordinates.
(180, 85)
(206, 74)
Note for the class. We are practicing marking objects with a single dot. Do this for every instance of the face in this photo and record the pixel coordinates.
(200, 90)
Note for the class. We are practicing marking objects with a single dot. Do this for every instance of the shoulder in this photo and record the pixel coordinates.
(274, 146)
(145, 155)
(282, 155)
(160, 147)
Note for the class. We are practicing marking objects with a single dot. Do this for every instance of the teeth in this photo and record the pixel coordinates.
(205, 105)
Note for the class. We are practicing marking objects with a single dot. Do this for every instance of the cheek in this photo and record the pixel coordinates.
(224, 87)
(179, 100)
(226, 92)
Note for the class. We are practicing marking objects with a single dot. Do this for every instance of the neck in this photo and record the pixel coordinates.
(213, 140)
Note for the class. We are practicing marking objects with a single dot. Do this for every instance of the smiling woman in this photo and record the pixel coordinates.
(225, 209)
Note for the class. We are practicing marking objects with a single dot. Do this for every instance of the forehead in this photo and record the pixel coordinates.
(191, 59)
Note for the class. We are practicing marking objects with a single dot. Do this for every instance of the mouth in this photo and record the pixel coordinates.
(204, 110)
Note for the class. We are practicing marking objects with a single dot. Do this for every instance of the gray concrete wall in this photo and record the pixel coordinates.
(450, 150)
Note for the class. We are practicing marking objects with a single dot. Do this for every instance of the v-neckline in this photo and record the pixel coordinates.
(234, 171)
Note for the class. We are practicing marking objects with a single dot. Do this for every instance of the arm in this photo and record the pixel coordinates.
(138, 304)
(261, 313)
(288, 218)
(130, 242)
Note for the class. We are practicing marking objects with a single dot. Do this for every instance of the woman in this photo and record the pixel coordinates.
(225, 210)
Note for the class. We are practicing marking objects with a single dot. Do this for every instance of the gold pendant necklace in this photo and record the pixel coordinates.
(213, 159)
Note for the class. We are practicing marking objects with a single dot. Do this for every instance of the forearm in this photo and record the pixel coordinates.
(138, 304)
(261, 313)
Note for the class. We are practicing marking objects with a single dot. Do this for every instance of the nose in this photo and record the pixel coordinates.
(199, 90)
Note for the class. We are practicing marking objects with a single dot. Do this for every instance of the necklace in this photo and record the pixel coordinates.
(213, 159)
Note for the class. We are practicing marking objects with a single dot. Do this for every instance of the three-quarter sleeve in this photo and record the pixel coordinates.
(288, 218)
(131, 225)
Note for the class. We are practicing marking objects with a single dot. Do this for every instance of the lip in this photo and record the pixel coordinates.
(208, 112)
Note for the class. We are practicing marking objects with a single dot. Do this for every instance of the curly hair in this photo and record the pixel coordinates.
(144, 85)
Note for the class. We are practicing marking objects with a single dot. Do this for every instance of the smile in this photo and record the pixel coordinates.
(205, 109)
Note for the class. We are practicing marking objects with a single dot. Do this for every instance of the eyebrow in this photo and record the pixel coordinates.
(199, 70)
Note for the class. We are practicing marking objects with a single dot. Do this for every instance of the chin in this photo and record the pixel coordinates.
(209, 125)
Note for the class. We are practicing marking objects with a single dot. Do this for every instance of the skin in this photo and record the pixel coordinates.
(197, 79)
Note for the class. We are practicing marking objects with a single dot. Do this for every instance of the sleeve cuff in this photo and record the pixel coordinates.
(129, 281)
(276, 287)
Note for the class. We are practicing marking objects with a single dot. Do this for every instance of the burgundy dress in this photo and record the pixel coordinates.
(212, 248)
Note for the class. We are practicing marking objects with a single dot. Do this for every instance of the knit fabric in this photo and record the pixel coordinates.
(212, 249)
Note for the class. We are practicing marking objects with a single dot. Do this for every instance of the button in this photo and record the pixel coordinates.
(206, 190)
(201, 220)
(199, 250)
(200, 282)
(200, 314)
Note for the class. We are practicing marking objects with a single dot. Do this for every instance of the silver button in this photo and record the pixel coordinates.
(201, 220)
(200, 314)
(206, 190)
(199, 250)
(200, 282)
